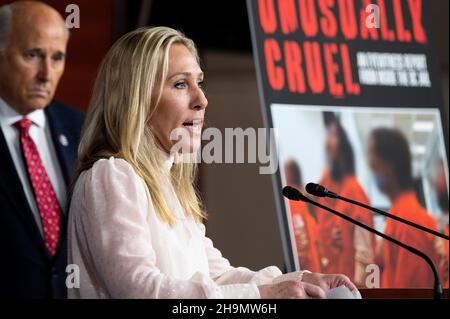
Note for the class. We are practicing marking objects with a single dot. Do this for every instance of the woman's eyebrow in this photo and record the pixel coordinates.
(200, 74)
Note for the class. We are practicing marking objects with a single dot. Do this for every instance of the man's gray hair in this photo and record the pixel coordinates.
(5, 25)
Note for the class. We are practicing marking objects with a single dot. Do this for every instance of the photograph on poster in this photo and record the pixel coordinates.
(391, 158)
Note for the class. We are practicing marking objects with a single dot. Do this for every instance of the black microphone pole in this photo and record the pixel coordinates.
(320, 191)
(294, 194)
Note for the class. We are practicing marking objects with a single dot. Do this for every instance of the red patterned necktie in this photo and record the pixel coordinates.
(48, 204)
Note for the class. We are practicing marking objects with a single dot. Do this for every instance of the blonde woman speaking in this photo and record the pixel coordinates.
(135, 226)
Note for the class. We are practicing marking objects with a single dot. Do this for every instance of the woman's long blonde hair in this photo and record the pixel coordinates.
(120, 107)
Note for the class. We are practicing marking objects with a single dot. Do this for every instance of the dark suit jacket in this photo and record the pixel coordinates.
(26, 269)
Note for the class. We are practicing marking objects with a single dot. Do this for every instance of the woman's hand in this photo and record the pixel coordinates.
(292, 289)
(328, 281)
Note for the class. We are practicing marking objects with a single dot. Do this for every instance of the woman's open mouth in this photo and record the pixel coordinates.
(194, 125)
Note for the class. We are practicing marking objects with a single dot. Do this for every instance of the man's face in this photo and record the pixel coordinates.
(332, 142)
(381, 170)
(288, 174)
(32, 64)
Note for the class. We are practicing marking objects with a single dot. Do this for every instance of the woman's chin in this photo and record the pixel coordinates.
(190, 148)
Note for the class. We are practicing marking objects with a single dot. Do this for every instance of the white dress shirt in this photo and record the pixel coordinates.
(125, 250)
(41, 135)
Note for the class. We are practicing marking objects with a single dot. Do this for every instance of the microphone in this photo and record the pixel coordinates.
(294, 194)
(320, 191)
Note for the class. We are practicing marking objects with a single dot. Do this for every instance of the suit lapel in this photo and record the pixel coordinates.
(64, 143)
(11, 185)
(66, 148)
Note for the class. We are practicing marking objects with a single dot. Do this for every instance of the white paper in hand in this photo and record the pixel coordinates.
(342, 292)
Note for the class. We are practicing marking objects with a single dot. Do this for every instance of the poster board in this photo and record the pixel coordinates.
(365, 65)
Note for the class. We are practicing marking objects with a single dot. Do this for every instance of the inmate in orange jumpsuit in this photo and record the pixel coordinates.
(403, 269)
(300, 213)
(342, 259)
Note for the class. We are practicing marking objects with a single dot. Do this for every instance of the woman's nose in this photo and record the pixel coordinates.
(200, 102)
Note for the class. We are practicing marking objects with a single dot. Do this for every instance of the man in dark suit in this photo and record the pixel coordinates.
(38, 148)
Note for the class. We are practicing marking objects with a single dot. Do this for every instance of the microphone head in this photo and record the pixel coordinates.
(316, 190)
(293, 193)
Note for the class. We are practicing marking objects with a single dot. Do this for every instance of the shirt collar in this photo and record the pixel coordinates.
(8, 116)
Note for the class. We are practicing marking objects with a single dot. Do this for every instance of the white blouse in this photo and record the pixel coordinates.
(125, 250)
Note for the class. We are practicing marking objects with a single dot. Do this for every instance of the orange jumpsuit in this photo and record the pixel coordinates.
(310, 259)
(342, 259)
(403, 269)
(446, 242)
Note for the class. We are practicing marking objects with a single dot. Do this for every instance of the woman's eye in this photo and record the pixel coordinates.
(180, 85)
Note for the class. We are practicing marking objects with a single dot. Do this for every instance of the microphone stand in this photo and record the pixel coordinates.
(404, 221)
(330, 194)
(437, 290)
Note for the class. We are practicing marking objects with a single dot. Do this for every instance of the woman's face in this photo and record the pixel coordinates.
(181, 109)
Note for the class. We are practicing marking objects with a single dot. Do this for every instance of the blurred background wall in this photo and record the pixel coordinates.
(242, 218)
